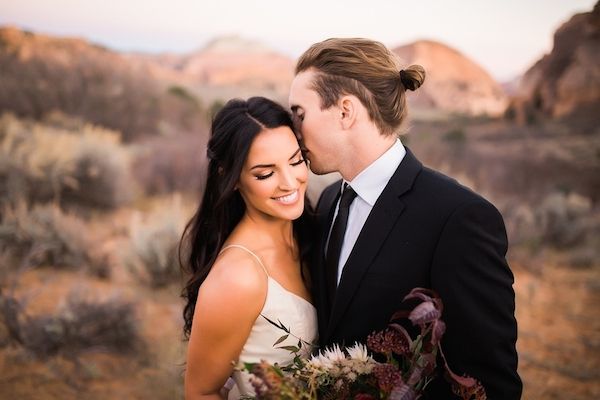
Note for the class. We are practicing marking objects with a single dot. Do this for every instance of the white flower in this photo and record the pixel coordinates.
(359, 352)
(320, 362)
(334, 354)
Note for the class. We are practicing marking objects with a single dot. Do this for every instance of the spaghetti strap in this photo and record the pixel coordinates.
(247, 250)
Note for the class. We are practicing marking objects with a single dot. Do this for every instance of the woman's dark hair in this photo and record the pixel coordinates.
(233, 130)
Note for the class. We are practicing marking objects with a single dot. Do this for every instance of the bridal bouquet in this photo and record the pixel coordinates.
(406, 367)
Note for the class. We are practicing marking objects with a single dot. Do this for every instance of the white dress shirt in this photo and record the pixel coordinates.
(368, 185)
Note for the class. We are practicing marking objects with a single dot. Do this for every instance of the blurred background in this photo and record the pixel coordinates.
(104, 115)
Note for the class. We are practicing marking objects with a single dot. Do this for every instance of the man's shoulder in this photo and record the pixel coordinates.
(438, 187)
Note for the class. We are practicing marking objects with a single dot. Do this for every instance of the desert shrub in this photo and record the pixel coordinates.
(456, 135)
(46, 236)
(80, 324)
(154, 244)
(184, 94)
(86, 166)
(562, 218)
(584, 258)
(560, 221)
(214, 108)
(164, 165)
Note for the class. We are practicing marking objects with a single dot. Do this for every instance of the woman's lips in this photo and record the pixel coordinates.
(288, 198)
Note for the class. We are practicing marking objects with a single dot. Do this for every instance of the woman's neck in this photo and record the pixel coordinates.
(270, 231)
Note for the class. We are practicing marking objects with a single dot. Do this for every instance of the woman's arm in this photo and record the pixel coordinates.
(229, 301)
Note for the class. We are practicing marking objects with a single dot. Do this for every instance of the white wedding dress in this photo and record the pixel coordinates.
(281, 305)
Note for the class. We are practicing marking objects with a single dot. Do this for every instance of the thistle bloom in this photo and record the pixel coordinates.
(334, 354)
(359, 352)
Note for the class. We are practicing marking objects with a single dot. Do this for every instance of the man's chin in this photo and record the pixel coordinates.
(318, 171)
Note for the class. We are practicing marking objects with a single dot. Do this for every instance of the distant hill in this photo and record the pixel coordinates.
(146, 94)
(230, 66)
(454, 82)
(565, 84)
(41, 74)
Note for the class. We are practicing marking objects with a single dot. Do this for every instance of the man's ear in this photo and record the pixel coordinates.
(348, 109)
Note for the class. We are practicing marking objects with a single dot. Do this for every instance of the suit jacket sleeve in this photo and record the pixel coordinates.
(470, 272)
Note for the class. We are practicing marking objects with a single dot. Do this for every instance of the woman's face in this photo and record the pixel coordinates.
(273, 178)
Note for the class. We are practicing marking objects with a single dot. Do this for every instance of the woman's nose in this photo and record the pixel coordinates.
(287, 179)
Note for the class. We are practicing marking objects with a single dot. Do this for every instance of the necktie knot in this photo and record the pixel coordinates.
(348, 196)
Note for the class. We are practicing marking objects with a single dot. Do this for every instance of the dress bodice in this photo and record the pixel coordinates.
(282, 307)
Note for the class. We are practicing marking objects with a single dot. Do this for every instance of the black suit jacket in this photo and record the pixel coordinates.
(426, 230)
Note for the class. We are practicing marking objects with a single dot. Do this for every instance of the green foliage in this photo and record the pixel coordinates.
(214, 108)
(456, 135)
(83, 164)
(183, 94)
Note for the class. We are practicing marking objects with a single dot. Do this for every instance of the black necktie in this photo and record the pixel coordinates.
(336, 239)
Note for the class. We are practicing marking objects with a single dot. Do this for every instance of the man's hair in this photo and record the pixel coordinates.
(366, 69)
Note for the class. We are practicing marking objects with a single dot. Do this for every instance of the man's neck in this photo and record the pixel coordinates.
(363, 153)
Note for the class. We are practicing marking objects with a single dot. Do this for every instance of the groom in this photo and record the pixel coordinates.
(392, 224)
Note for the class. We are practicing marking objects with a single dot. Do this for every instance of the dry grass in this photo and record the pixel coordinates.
(81, 324)
(101, 365)
(46, 236)
(169, 164)
(154, 241)
(84, 166)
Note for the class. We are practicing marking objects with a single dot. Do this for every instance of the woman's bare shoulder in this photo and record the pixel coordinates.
(236, 274)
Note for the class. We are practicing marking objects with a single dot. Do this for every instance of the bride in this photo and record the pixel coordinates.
(247, 246)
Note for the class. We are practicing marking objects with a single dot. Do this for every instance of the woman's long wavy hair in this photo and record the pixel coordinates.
(233, 130)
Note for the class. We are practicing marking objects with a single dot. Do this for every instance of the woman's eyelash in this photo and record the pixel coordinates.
(261, 177)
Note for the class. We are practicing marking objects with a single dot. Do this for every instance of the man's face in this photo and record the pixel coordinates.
(318, 129)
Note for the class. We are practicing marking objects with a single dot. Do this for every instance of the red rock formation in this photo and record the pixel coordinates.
(235, 61)
(454, 82)
(566, 82)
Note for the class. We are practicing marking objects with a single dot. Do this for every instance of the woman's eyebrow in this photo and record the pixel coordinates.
(295, 154)
(272, 165)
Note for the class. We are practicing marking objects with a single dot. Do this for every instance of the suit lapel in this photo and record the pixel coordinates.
(325, 211)
(376, 229)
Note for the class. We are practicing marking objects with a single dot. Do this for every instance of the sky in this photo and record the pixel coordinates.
(504, 36)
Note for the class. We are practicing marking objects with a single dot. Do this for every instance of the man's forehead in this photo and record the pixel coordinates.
(300, 88)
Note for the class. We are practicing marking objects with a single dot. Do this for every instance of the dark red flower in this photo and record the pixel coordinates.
(364, 396)
(387, 377)
(394, 339)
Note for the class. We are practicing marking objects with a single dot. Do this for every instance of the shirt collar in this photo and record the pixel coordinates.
(371, 181)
